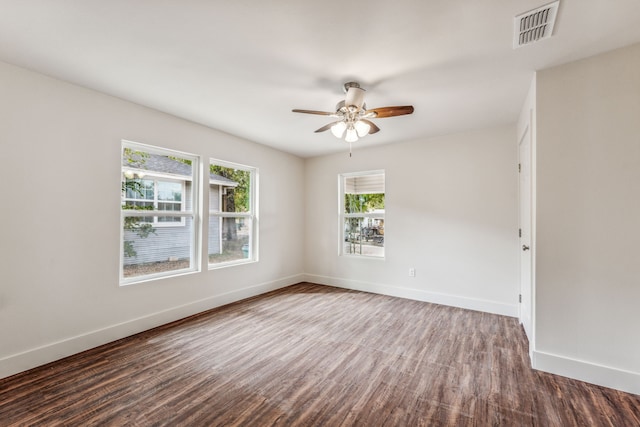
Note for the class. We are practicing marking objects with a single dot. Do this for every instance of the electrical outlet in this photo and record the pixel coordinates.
(412, 272)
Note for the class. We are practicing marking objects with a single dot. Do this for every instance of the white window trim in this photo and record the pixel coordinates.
(342, 215)
(252, 215)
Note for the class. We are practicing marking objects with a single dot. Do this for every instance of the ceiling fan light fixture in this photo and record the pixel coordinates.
(362, 128)
(338, 129)
(352, 135)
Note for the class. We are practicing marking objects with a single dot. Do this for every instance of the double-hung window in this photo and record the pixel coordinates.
(362, 213)
(233, 214)
(158, 213)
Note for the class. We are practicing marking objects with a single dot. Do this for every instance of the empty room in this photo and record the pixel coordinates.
(320, 213)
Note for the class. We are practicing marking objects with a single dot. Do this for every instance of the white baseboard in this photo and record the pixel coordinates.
(419, 295)
(32, 358)
(586, 371)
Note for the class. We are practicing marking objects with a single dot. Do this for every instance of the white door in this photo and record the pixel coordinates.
(526, 297)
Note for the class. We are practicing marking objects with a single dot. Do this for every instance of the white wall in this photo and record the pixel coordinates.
(588, 220)
(451, 212)
(60, 210)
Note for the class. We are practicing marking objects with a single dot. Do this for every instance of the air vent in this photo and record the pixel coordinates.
(537, 24)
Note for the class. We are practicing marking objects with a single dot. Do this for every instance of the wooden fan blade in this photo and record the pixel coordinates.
(326, 127)
(374, 128)
(383, 112)
(321, 113)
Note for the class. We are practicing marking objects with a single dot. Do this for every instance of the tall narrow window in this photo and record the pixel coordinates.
(362, 214)
(233, 217)
(159, 229)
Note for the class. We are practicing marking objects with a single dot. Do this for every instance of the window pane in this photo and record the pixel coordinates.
(169, 219)
(235, 185)
(139, 189)
(150, 250)
(364, 193)
(363, 203)
(155, 194)
(139, 205)
(169, 206)
(229, 239)
(169, 191)
(364, 236)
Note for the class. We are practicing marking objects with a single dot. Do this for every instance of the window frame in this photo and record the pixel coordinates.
(195, 248)
(343, 215)
(251, 214)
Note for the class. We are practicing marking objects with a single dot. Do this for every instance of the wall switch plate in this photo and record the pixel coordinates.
(412, 272)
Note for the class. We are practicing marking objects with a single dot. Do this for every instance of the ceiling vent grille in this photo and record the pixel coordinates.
(535, 25)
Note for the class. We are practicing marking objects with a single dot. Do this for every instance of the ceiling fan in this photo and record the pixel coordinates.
(353, 117)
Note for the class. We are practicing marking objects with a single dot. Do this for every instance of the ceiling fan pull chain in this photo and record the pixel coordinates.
(349, 149)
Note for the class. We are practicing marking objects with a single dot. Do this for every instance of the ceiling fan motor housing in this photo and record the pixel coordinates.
(355, 96)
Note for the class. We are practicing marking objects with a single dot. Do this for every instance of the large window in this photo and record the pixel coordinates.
(233, 217)
(158, 209)
(362, 214)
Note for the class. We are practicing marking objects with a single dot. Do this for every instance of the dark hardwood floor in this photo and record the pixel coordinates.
(311, 355)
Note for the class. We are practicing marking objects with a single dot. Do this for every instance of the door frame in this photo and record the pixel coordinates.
(527, 131)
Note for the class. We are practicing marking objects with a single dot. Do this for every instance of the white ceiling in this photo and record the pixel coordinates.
(240, 66)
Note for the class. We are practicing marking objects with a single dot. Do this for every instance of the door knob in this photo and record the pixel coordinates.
(525, 247)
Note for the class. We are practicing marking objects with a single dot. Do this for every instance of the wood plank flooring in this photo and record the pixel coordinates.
(311, 355)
